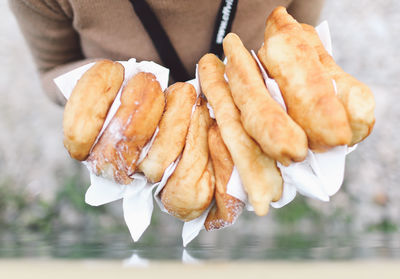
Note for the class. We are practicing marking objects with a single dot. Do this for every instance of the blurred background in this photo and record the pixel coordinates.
(42, 209)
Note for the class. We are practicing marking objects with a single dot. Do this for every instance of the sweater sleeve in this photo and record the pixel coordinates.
(55, 46)
(306, 11)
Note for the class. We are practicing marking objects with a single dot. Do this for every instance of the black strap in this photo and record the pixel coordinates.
(223, 25)
(160, 39)
(163, 45)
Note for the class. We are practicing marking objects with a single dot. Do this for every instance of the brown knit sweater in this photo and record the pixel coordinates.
(63, 34)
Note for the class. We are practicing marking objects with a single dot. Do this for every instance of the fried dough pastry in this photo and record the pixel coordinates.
(87, 108)
(116, 153)
(356, 97)
(190, 189)
(306, 87)
(226, 208)
(259, 174)
(262, 117)
(173, 128)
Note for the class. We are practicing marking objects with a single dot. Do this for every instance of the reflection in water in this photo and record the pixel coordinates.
(188, 259)
(135, 261)
(74, 245)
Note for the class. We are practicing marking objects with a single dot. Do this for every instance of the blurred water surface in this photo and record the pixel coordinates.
(70, 245)
(42, 209)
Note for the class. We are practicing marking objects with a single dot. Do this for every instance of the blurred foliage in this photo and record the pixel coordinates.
(20, 211)
(296, 211)
(29, 225)
(385, 226)
(299, 227)
(73, 193)
(12, 202)
(49, 215)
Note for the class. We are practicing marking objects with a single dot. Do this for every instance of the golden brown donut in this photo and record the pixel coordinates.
(259, 174)
(190, 189)
(356, 97)
(173, 128)
(226, 208)
(306, 87)
(116, 153)
(262, 117)
(87, 108)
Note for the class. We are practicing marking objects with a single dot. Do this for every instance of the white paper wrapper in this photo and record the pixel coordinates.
(192, 228)
(137, 197)
(320, 175)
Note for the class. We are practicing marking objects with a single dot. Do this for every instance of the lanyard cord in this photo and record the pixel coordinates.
(163, 45)
(160, 40)
(223, 25)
